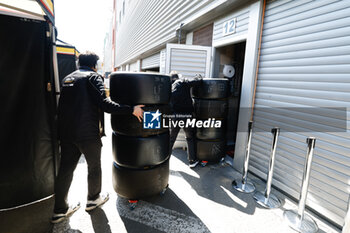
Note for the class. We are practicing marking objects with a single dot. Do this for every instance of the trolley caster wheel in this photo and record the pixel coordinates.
(222, 162)
(132, 204)
(164, 190)
(204, 163)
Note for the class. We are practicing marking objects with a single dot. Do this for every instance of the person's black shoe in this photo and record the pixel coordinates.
(91, 205)
(56, 218)
(193, 163)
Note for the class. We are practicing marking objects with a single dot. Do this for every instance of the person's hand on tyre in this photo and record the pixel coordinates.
(198, 77)
(138, 112)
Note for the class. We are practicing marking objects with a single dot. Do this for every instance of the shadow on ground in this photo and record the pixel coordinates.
(64, 227)
(100, 221)
(215, 184)
(167, 213)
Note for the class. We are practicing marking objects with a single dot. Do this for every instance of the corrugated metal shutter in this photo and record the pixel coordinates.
(149, 24)
(134, 67)
(151, 61)
(241, 30)
(162, 58)
(305, 62)
(188, 60)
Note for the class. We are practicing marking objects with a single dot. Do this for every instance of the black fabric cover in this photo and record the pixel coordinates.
(66, 65)
(34, 217)
(27, 141)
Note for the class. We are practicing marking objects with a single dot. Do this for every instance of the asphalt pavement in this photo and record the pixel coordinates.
(197, 200)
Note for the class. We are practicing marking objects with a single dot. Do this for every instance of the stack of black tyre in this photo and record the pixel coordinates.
(211, 102)
(141, 156)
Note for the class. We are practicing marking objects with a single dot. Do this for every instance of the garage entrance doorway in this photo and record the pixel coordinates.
(233, 55)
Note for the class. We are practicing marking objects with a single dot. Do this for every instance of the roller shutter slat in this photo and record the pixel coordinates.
(151, 61)
(305, 63)
(315, 15)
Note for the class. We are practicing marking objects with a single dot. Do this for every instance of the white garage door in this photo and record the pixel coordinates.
(151, 61)
(304, 67)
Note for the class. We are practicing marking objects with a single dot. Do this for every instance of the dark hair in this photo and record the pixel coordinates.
(174, 77)
(88, 59)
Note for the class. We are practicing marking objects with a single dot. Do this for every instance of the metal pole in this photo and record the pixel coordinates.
(306, 176)
(247, 154)
(179, 36)
(267, 199)
(275, 132)
(243, 185)
(346, 227)
(297, 219)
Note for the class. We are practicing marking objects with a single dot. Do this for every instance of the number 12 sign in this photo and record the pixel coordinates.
(229, 27)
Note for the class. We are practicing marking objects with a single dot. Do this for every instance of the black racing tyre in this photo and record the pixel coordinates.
(212, 133)
(129, 125)
(33, 217)
(204, 109)
(140, 88)
(212, 88)
(139, 152)
(211, 151)
(140, 183)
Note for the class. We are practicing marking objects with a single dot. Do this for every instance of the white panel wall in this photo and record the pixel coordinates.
(148, 24)
(241, 29)
(135, 66)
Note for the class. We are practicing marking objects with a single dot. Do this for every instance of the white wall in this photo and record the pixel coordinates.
(147, 25)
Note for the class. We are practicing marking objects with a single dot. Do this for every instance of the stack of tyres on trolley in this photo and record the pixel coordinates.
(211, 102)
(141, 152)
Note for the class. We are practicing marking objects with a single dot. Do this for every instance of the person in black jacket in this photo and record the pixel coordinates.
(182, 108)
(81, 109)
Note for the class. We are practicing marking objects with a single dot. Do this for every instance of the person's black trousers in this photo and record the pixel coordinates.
(189, 132)
(70, 154)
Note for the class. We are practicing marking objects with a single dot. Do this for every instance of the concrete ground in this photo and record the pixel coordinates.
(198, 200)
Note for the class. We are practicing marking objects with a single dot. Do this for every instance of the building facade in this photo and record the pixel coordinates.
(107, 64)
(292, 70)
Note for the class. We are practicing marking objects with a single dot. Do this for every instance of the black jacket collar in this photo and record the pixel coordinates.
(86, 68)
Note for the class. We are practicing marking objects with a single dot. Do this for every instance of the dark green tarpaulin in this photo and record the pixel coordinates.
(27, 129)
